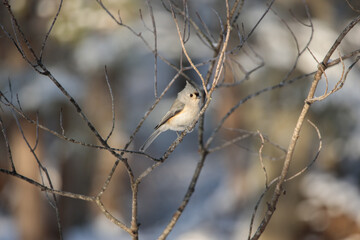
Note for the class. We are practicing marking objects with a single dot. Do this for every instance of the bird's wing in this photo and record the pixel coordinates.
(177, 107)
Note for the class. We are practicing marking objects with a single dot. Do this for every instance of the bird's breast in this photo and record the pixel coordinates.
(180, 121)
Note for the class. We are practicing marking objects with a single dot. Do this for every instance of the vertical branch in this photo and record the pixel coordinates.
(134, 211)
(235, 11)
(155, 47)
(61, 122)
(112, 104)
(185, 51)
(261, 158)
(49, 31)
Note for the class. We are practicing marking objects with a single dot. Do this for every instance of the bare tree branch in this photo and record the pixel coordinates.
(112, 105)
(220, 72)
(49, 31)
(280, 184)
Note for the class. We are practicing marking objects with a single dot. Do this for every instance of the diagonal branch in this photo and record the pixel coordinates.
(280, 184)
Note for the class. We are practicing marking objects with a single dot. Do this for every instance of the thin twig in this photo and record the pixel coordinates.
(36, 132)
(61, 123)
(47, 189)
(112, 105)
(155, 48)
(186, 30)
(209, 35)
(339, 83)
(49, 31)
(202, 36)
(8, 148)
(324, 73)
(186, 53)
(316, 155)
(258, 204)
(352, 7)
(185, 201)
(230, 142)
(255, 26)
(261, 159)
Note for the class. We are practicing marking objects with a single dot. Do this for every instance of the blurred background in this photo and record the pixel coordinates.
(321, 204)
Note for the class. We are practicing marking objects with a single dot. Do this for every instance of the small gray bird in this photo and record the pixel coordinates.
(181, 114)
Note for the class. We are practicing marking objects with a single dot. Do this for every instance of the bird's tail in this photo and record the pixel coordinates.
(152, 137)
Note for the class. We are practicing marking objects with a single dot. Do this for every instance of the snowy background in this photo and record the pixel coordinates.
(324, 203)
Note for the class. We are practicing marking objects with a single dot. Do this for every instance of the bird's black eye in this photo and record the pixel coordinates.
(197, 94)
(191, 94)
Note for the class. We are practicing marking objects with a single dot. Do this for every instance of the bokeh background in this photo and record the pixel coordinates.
(322, 204)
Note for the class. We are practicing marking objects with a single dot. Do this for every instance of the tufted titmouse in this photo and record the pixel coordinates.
(181, 114)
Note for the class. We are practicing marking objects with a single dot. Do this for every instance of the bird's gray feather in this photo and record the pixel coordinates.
(177, 107)
(152, 137)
